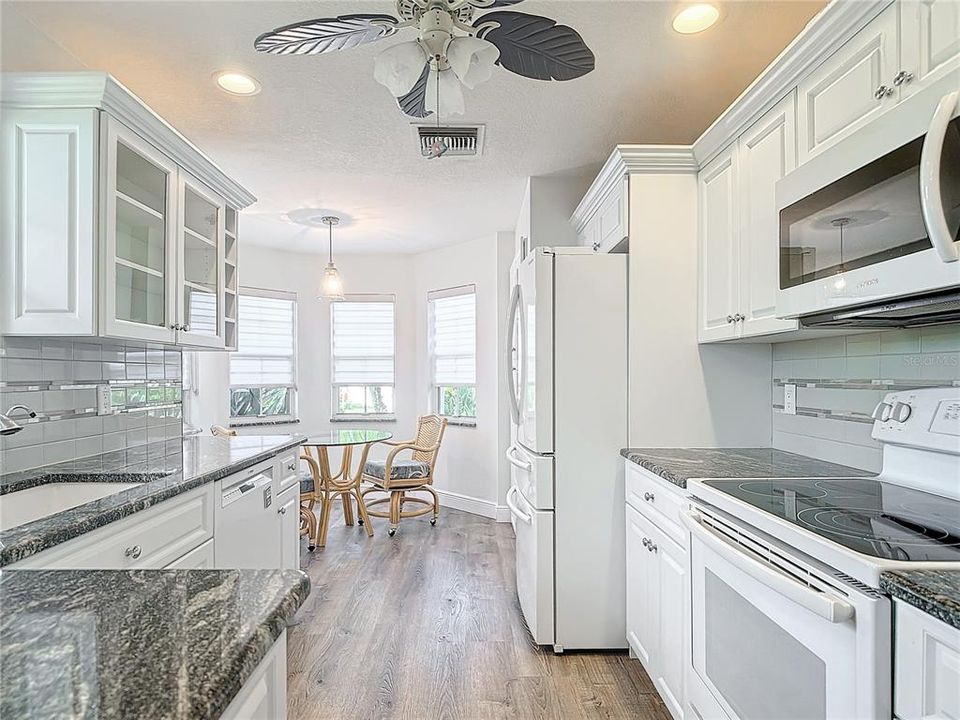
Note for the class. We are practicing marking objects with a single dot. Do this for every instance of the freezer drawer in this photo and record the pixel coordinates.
(534, 530)
(532, 475)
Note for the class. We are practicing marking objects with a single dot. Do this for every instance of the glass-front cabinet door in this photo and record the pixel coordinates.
(201, 264)
(139, 260)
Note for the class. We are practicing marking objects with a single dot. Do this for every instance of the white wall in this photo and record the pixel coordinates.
(683, 394)
(470, 470)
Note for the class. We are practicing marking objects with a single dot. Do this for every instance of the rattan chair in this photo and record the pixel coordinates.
(396, 477)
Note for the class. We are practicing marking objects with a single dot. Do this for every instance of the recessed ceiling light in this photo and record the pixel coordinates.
(237, 83)
(695, 18)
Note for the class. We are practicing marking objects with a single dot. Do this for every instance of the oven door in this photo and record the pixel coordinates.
(774, 638)
(876, 217)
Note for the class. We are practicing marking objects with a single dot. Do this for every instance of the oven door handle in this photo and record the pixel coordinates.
(826, 606)
(931, 199)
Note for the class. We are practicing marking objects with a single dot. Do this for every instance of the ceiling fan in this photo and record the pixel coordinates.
(455, 46)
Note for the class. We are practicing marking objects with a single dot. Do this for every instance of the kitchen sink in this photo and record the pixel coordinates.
(23, 506)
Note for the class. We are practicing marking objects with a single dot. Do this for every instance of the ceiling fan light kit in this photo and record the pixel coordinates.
(453, 48)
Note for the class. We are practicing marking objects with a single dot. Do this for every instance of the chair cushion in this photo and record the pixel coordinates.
(401, 469)
(306, 482)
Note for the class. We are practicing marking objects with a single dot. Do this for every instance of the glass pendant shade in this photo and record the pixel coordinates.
(472, 59)
(399, 67)
(450, 93)
(331, 287)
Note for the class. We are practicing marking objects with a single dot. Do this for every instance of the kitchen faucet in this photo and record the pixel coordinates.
(9, 426)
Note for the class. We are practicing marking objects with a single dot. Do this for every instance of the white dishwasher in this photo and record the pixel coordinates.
(246, 533)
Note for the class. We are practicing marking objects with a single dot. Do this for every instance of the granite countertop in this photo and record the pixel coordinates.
(137, 643)
(159, 476)
(936, 592)
(677, 465)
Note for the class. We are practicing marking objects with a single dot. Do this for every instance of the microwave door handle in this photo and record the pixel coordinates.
(511, 383)
(517, 512)
(931, 199)
(823, 604)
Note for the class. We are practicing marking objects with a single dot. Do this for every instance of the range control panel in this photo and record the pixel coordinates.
(927, 418)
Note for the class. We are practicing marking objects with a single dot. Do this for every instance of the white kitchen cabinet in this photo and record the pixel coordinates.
(926, 666)
(767, 152)
(114, 224)
(150, 539)
(200, 558)
(48, 220)
(851, 87)
(658, 619)
(231, 300)
(264, 694)
(929, 43)
(608, 225)
(289, 528)
(642, 625)
(719, 247)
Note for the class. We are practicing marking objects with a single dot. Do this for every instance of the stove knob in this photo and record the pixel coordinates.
(882, 411)
(901, 412)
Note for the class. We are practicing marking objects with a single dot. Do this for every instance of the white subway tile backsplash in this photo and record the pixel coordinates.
(846, 374)
(68, 427)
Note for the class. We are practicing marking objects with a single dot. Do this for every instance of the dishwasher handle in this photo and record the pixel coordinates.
(234, 493)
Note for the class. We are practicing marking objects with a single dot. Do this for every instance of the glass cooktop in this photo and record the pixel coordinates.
(868, 516)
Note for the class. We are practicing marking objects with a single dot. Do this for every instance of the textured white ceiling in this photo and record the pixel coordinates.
(322, 133)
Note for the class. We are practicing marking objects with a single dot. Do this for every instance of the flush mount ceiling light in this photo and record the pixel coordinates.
(331, 286)
(453, 48)
(236, 83)
(695, 18)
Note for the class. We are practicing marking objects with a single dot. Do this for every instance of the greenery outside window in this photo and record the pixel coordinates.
(453, 351)
(263, 369)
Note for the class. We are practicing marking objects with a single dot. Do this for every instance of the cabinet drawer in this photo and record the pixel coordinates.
(152, 538)
(288, 471)
(658, 500)
(926, 666)
(200, 558)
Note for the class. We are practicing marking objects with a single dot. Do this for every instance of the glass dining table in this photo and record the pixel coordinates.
(345, 483)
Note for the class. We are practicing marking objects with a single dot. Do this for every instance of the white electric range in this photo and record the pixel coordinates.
(787, 617)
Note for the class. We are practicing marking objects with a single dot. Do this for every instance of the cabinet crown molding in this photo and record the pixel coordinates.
(102, 91)
(824, 34)
(632, 160)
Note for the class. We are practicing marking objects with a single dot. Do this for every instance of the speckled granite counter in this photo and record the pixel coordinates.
(159, 475)
(936, 592)
(137, 643)
(677, 465)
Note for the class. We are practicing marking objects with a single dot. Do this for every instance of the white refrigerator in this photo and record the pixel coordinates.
(567, 377)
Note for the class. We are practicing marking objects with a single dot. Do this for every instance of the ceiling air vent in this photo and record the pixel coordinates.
(450, 140)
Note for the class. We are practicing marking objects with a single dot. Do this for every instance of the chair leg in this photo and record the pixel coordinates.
(362, 512)
(324, 521)
(436, 504)
(395, 499)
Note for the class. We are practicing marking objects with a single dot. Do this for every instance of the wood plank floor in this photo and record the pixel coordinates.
(426, 625)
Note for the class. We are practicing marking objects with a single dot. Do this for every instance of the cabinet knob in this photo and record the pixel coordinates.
(646, 542)
(175, 326)
(881, 92)
(133, 552)
(185, 328)
(596, 246)
(291, 466)
(282, 511)
(902, 78)
(652, 546)
(729, 319)
(739, 317)
(648, 496)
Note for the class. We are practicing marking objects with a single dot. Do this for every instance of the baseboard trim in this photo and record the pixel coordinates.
(467, 503)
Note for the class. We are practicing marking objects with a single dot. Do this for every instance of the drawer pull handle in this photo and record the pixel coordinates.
(133, 552)
(648, 496)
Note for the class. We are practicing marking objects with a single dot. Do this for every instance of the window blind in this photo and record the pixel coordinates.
(265, 341)
(363, 342)
(454, 336)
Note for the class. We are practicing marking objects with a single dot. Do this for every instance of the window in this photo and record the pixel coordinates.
(362, 340)
(263, 370)
(453, 351)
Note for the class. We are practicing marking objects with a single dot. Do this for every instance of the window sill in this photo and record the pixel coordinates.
(363, 419)
(461, 422)
(263, 422)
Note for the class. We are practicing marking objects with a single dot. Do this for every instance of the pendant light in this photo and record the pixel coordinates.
(331, 287)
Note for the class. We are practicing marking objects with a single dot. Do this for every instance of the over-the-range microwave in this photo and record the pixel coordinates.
(869, 228)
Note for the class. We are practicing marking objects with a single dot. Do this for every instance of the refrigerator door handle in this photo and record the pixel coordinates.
(517, 512)
(517, 461)
(511, 352)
